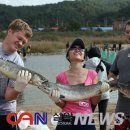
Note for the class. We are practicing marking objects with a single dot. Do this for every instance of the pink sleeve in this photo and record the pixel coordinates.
(90, 77)
(93, 74)
(61, 78)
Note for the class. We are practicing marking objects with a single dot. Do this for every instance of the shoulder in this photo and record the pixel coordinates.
(18, 60)
(92, 73)
(61, 76)
(123, 51)
(93, 62)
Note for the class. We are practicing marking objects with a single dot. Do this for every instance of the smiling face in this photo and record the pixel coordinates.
(76, 54)
(15, 40)
(127, 33)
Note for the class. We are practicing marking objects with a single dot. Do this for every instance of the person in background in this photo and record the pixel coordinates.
(121, 70)
(28, 49)
(107, 65)
(120, 46)
(94, 62)
(67, 45)
(18, 34)
(76, 74)
(114, 47)
(24, 52)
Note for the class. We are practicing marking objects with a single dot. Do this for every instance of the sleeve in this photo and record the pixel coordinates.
(93, 74)
(60, 78)
(114, 67)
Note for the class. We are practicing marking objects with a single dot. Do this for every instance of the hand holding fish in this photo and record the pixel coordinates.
(22, 80)
(55, 95)
(67, 93)
(105, 86)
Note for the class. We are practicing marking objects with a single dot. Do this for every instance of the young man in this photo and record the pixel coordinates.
(18, 34)
(121, 69)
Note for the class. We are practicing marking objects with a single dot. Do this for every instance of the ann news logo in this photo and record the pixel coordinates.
(34, 119)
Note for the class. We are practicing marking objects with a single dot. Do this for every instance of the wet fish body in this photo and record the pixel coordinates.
(68, 93)
(79, 92)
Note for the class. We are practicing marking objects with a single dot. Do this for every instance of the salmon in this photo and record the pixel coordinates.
(68, 93)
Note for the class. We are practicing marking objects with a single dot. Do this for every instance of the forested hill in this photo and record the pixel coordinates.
(68, 14)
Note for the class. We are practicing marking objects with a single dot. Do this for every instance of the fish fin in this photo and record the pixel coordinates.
(61, 96)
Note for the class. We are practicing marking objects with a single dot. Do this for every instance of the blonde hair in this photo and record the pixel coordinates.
(19, 25)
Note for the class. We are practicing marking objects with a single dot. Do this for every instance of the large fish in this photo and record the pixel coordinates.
(68, 93)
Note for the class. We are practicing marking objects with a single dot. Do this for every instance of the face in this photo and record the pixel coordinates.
(127, 33)
(15, 40)
(76, 54)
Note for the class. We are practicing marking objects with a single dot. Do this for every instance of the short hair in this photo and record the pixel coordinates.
(19, 25)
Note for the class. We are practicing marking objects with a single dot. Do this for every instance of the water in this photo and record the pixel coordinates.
(49, 66)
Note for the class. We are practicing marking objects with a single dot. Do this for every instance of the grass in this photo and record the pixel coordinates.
(47, 46)
(48, 42)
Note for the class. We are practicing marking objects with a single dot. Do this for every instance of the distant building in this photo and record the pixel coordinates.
(105, 29)
(55, 28)
(40, 29)
(85, 28)
(97, 28)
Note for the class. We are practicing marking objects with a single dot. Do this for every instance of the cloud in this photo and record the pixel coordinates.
(28, 2)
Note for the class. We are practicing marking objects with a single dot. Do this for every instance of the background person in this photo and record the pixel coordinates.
(18, 34)
(76, 74)
(94, 62)
(121, 70)
(28, 49)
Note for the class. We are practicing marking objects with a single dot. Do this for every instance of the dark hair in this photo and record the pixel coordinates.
(78, 42)
(94, 52)
(86, 51)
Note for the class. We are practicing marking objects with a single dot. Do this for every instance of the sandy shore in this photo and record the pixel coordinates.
(51, 110)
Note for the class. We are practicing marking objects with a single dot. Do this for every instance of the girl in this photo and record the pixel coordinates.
(75, 75)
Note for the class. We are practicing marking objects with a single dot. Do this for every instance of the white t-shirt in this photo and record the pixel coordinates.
(92, 63)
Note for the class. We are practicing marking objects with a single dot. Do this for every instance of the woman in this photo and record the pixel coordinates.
(76, 74)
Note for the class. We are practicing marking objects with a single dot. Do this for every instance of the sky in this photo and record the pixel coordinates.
(29, 2)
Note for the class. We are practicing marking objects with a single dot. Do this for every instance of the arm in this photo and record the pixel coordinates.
(54, 95)
(22, 80)
(95, 100)
(11, 94)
